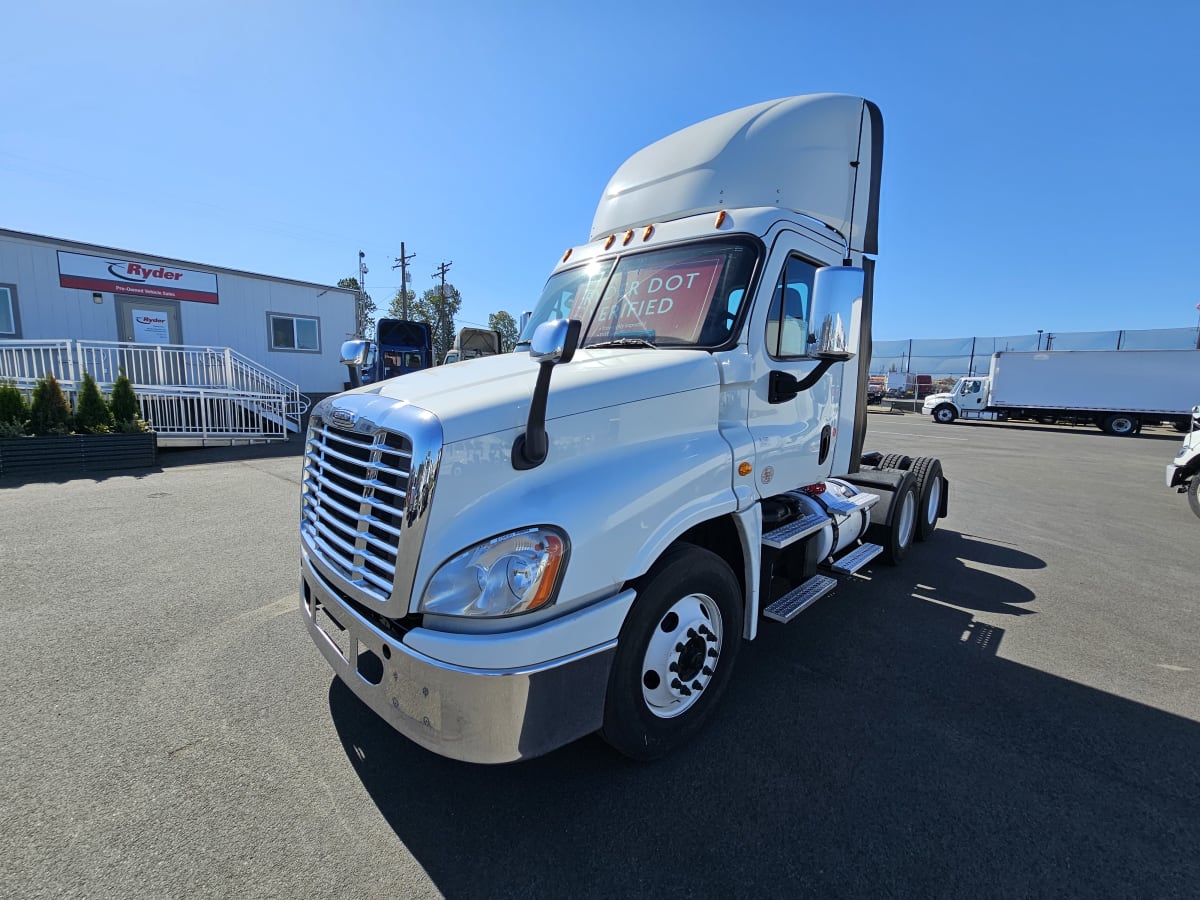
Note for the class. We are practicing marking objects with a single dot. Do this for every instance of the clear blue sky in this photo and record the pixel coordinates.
(1041, 162)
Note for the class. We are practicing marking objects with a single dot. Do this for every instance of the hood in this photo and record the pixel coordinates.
(938, 398)
(482, 396)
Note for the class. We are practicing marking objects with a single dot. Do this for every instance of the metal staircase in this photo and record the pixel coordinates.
(192, 396)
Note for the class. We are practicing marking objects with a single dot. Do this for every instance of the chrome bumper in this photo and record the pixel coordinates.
(475, 715)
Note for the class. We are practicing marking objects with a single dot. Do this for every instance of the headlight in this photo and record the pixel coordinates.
(514, 573)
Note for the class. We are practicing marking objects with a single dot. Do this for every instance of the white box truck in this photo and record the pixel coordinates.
(499, 558)
(1117, 390)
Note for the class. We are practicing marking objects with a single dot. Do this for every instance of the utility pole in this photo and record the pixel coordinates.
(402, 265)
(360, 326)
(441, 273)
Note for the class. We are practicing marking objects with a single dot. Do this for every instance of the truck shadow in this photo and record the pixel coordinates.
(877, 745)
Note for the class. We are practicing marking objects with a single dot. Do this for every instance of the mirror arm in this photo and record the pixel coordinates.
(783, 386)
(530, 449)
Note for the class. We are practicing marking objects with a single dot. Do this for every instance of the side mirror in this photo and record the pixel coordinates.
(555, 341)
(835, 312)
(354, 353)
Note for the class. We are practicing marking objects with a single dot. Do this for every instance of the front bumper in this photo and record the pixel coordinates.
(1175, 475)
(475, 715)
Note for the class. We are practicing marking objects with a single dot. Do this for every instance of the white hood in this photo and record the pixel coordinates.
(482, 396)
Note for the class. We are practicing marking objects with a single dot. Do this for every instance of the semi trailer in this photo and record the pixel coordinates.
(502, 557)
(1118, 391)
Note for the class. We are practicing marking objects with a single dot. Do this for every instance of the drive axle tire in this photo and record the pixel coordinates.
(944, 414)
(928, 472)
(895, 461)
(1120, 424)
(675, 653)
(896, 534)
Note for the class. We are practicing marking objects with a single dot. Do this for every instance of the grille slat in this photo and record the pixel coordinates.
(355, 490)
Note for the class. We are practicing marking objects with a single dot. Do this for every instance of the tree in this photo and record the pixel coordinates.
(50, 413)
(365, 307)
(502, 322)
(124, 405)
(92, 415)
(396, 308)
(439, 314)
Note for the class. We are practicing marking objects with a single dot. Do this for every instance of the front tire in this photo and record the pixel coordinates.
(944, 414)
(675, 653)
(1193, 493)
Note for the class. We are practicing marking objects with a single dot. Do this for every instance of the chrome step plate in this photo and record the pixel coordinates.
(850, 504)
(790, 604)
(794, 531)
(856, 559)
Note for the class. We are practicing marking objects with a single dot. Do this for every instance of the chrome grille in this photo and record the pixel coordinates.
(354, 499)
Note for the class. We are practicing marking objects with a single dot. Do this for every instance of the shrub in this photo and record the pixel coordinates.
(11, 430)
(124, 406)
(14, 411)
(92, 415)
(50, 413)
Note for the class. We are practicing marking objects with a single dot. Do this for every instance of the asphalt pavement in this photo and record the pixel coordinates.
(1015, 711)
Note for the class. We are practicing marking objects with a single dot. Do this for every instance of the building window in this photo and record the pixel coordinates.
(10, 320)
(294, 333)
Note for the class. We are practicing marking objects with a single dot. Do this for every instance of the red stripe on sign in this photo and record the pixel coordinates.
(150, 292)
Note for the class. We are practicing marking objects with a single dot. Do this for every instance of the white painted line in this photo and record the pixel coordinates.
(934, 437)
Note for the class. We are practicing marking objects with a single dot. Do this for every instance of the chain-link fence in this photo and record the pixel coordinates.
(952, 357)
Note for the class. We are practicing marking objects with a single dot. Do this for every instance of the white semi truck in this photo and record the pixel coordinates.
(502, 557)
(1116, 390)
(472, 343)
(1183, 472)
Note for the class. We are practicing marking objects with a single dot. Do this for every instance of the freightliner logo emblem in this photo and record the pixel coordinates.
(344, 417)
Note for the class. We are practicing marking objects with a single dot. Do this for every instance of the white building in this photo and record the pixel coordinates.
(54, 289)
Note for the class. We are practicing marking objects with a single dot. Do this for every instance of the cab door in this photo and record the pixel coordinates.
(793, 438)
(973, 396)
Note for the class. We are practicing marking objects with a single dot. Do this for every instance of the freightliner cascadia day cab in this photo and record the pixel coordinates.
(501, 556)
(1118, 391)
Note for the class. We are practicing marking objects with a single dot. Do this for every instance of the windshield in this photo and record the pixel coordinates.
(685, 296)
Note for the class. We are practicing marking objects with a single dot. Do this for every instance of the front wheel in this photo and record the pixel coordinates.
(1193, 493)
(675, 653)
(944, 414)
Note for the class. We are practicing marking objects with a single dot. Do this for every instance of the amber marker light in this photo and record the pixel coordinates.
(555, 553)
(567, 255)
(649, 231)
(628, 237)
(609, 242)
(720, 219)
(745, 469)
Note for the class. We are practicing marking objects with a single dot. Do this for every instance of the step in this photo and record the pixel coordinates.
(850, 504)
(794, 531)
(790, 604)
(855, 559)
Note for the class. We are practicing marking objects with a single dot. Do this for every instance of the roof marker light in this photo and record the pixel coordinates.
(649, 231)
(609, 242)
(628, 237)
(720, 219)
(567, 255)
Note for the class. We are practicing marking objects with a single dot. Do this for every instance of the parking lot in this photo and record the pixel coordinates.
(1015, 711)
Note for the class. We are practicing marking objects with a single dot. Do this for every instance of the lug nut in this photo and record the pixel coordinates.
(673, 667)
(712, 653)
(685, 690)
(707, 671)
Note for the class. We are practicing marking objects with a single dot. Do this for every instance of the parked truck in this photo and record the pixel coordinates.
(1183, 472)
(401, 346)
(502, 557)
(1119, 391)
(472, 343)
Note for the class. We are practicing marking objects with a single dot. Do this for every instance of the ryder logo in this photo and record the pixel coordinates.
(130, 271)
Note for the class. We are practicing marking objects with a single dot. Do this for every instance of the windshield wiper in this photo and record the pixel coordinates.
(623, 342)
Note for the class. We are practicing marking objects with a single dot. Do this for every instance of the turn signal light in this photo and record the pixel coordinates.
(745, 469)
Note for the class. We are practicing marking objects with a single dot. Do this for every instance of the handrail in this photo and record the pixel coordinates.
(158, 369)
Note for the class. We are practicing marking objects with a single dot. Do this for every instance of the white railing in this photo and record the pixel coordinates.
(215, 415)
(223, 377)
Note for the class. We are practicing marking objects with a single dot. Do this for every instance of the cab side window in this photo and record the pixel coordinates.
(787, 319)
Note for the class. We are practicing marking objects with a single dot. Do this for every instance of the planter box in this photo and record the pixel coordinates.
(69, 454)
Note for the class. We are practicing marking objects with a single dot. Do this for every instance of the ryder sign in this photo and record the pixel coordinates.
(132, 276)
